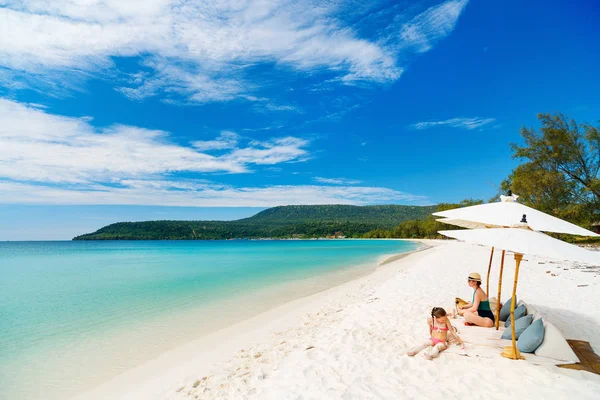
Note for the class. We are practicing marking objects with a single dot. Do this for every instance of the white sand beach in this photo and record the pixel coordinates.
(349, 342)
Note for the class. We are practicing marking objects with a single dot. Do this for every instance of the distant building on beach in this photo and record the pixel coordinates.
(336, 235)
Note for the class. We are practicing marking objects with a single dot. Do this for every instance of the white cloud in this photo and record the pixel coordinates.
(198, 50)
(169, 193)
(280, 107)
(431, 25)
(226, 140)
(192, 84)
(337, 181)
(42, 147)
(264, 104)
(464, 123)
(52, 159)
(272, 152)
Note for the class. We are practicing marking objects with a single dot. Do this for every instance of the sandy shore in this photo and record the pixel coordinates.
(349, 341)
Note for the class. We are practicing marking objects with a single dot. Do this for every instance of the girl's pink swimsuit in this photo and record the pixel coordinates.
(437, 328)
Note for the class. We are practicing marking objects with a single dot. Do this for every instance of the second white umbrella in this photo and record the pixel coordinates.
(526, 241)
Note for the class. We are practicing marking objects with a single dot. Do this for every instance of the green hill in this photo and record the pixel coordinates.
(276, 222)
(385, 215)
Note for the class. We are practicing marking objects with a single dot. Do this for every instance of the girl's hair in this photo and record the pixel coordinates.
(438, 312)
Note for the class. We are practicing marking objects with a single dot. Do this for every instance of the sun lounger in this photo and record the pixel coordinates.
(486, 343)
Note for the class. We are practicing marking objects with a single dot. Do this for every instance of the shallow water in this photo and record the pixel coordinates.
(74, 314)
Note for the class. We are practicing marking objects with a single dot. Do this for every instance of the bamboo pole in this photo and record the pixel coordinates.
(499, 291)
(512, 351)
(518, 258)
(487, 283)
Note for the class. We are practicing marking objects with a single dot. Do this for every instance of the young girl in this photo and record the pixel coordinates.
(439, 327)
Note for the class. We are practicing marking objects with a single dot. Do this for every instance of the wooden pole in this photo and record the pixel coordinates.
(518, 258)
(487, 283)
(499, 291)
(512, 351)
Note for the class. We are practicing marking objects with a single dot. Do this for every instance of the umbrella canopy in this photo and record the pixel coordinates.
(505, 214)
(525, 241)
(467, 224)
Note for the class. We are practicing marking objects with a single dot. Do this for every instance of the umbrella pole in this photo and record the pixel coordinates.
(487, 283)
(499, 291)
(512, 351)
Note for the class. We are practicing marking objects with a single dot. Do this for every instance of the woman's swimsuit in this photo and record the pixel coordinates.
(437, 328)
(484, 309)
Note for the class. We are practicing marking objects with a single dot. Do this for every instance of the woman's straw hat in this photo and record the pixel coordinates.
(474, 276)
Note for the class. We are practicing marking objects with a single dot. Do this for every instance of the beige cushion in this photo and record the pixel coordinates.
(533, 311)
(555, 346)
(460, 302)
(493, 303)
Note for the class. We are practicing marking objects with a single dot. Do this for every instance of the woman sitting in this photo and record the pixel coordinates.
(478, 311)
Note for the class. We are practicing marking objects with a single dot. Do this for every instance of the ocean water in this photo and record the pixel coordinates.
(75, 314)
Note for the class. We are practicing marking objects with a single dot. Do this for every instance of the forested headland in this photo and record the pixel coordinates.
(558, 174)
(277, 222)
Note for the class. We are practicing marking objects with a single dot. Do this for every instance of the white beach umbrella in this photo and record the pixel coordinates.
(467, 224)
(525, 241)
(503, 214)
(478, 225)
(522, 240)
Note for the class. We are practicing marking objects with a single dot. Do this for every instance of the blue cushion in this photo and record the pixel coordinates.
(532, 337)
(505, 310)
(519, 312)
(520, 326)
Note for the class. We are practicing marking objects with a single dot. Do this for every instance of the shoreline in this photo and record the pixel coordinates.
(400, 256)
(349, 341)
(216, 346)
(236, 334)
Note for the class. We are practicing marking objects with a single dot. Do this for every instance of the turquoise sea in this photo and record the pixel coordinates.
(75, 314)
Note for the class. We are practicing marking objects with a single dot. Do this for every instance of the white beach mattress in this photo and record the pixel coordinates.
(486, 343)
(555, 345)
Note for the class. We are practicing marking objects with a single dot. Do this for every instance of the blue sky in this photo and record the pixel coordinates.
(132, 110)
